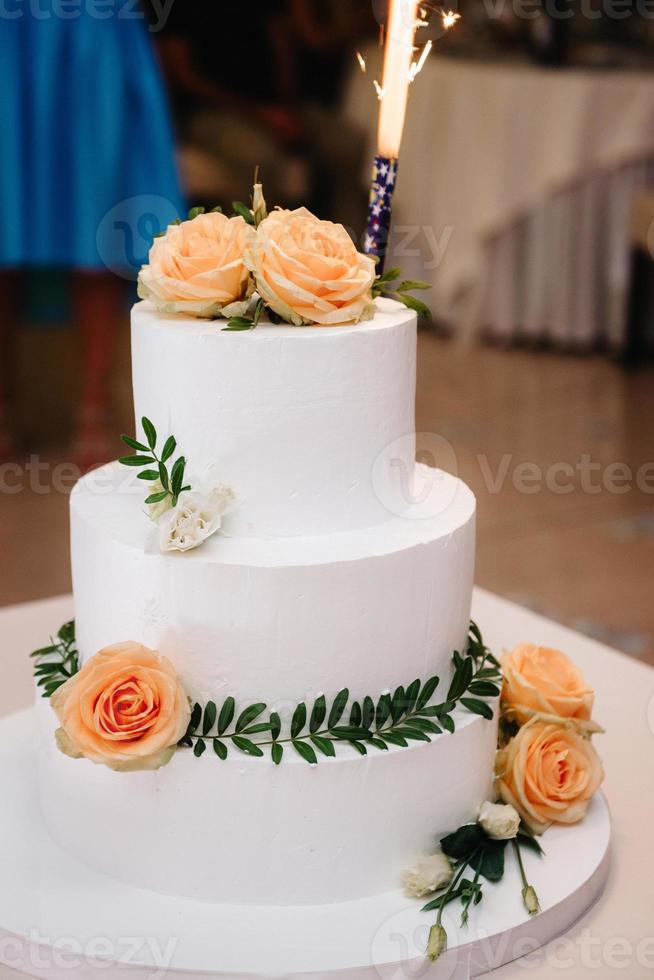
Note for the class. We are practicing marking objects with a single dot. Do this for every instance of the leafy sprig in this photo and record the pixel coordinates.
(56, 663)
(384, 286)
(169, 483)
(393, 719)
(471, 849)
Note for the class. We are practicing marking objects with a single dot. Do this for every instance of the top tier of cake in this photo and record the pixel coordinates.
(313, 428)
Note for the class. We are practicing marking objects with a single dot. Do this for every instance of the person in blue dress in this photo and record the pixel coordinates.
(87, 175)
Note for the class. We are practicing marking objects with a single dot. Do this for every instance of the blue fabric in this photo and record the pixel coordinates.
(87, 171)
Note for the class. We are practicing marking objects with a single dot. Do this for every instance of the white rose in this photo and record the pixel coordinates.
(427, 875)
(501, 821)
(195, 518)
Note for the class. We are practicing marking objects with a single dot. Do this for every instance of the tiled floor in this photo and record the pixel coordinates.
(503, 419)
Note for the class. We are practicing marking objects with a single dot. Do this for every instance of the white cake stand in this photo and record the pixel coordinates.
(59, 919)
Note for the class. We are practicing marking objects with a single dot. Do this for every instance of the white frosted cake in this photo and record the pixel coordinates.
(341, 564)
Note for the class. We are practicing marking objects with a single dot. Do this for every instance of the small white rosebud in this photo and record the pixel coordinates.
(259, 206)
(501, 821)
(530, 898)
(427, 875)
(195, 518)
(437, 944)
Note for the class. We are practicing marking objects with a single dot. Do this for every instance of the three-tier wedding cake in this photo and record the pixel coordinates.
(342, 564)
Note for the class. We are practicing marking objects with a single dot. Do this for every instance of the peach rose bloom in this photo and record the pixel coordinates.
(125, 709)
(308, 271)
(197, 267)
(546, 681)
(549, 774)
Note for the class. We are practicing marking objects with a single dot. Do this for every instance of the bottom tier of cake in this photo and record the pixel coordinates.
(243, 831)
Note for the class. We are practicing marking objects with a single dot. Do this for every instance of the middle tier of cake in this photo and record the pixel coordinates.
(283, 620)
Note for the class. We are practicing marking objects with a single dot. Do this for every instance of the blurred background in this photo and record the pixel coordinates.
(525, 198)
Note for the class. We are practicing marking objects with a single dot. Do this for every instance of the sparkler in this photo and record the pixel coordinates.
(401, 68)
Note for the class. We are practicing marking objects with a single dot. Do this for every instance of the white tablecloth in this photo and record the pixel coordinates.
(486, 145)
(616, 938)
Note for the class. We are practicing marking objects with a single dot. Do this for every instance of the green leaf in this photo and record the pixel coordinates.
(484, 689)
(397, 704)
(427, 692)
(412, 693)
(478, 707)
(135, 444)
(490, 862)
(248, 716)
(383, 710)
(156, 498)
(389, 276)
(324, 745)
(299, 720)
(236, 323)
(194, 212)
(136, 460)
(150, 476)
(177, 475)
(351, 733)
(356, 715)
(277, 753)
(47, 668)
(526, 839)
(305, 751)
(150, 432)
(186, 741)
(318, 714)
(463, 843)
(245, 745)
(443, 899)
(209, 719)
(275, 725)
(379, 743)
(408, 285)
(199, 748)
(416, 305)
(423, 724)
(226, 715)
(244, 211)
(367, 712)
(169, 448)
(395, 739)
(462, 677)
(220, 749)
(413, 734)
(448, 723)
(338, 707)
(44, 651)
(360, 747)
(163, 476)
(263, 726)
(196, 718)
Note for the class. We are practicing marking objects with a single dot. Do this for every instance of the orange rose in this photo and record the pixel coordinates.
(537, 679)
(197, 267)
(308, 271)
(549, 774)
(125, 709)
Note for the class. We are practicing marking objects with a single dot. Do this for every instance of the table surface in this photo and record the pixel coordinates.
(616, 938)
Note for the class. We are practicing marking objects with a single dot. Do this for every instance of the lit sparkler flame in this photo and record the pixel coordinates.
(418, 65)
(449, 18)
(398, 58)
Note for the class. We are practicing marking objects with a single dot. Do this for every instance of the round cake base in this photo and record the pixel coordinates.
(60, 919)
